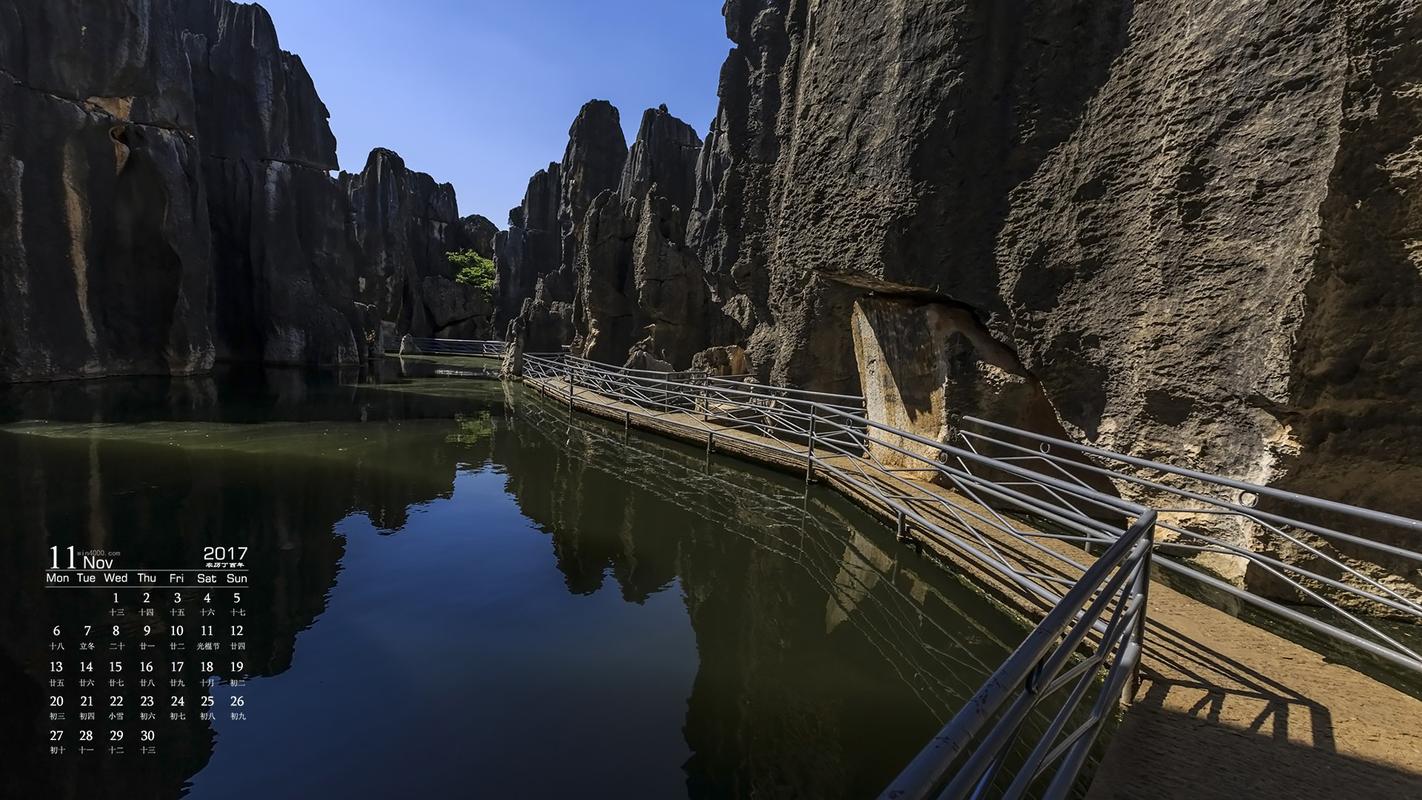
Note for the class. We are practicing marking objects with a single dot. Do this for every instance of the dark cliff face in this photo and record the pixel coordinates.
(592, 164)
(283, 274)
(405, 224)
(623, 283)
(477, 233)
(170, 199)
(167, 202)
(664, 155)
(103, 242)
(530, 247)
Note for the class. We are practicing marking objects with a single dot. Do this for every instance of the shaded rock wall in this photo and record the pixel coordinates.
(530, 248)
(477, 233)
(405, 224)
(792, 323)
(103, 241)
(281, 257)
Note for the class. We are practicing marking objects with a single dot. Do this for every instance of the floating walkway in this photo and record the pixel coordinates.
(1217, 707)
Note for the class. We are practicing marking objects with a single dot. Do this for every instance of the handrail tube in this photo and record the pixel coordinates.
(933, 762)
(1046, 670)
(1072, 763)
(1290, 614)
(1405, 605)
(1120, 504)
(1033, 588)
(1217, 501)
(1302, 499)
(840, 430)
(859, 397)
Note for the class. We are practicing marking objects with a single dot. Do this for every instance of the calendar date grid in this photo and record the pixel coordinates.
(138, 657)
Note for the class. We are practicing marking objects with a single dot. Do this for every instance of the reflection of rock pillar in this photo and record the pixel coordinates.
(860, 567)
(98, 530)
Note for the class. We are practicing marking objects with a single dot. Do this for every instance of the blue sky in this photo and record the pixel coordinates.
(480, 93)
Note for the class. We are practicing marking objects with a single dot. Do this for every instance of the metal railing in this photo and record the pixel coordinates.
(969, 761)
(979, 519)
(927, 651)
(1010, 493)
(460, 347)
(1343, 580)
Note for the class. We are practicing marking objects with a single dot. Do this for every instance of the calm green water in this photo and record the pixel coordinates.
(457, 591)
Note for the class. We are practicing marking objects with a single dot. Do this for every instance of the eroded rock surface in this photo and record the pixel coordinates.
(405, 224)
(167, 201)
(538, 257)
(641, 288)
(1195, 230)
(1186, 234)
(477, 233)
(281, 255)
(104, 246)
(530, 248)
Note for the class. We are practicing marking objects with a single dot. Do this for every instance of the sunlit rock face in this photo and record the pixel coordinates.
(640, 288)
(1195, 232)
(538, 257)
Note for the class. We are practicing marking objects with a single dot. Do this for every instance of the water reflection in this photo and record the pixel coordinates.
(818, 656)
(825, 660)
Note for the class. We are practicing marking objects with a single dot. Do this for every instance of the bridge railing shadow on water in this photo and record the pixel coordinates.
(868, 586)
(1030, 510)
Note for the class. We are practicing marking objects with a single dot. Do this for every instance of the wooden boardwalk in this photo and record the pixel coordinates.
(1226, 709)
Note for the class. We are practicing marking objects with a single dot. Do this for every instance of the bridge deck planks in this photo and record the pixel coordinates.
(1226, 709)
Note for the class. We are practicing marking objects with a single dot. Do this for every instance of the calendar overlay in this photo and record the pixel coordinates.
(140, 650)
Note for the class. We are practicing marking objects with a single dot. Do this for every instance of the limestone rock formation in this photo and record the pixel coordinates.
(529, 249)
(536, 275)
(640, 288)
(103, 239)
(405, 224)
(592, 164)
(454, 310)
(167, 201)
(663, 155)
(793, 323)
(723, 361)
(281, 254)
(1193, 231)
(477, 233)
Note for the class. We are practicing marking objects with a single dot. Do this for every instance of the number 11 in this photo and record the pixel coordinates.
(54, 557)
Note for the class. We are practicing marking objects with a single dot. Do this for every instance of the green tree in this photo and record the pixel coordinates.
(472, 269)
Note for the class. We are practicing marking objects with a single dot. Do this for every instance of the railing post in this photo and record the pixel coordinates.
(1142, 590)
(810, 451)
